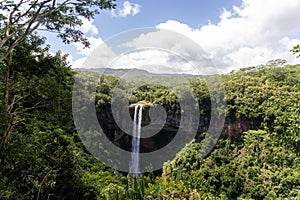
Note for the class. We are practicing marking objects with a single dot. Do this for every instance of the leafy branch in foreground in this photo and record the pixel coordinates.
(296, 50)
(18, 19)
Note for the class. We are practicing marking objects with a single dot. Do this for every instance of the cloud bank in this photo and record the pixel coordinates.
(251, 34)
(247, 35)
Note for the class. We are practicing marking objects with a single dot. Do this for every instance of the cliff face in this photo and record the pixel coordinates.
(236, 126)
(233, 126)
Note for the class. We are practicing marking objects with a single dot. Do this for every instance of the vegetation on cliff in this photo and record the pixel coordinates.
(42, 157)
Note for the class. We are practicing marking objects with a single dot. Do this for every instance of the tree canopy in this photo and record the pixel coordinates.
(21, 18)
(42, 156)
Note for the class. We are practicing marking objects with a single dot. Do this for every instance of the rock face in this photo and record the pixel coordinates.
(233, 126)
(236, 126)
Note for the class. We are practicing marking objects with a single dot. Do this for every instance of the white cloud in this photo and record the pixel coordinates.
(99, 55)
(246, 35)
(75, 64)
(84, 53)
(94, 43)
(177, 52)
(251, 34)
(127, 9)
(225, 14)
(88, 27)
(154, 61)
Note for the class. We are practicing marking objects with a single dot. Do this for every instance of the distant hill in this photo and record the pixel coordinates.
(135, 72)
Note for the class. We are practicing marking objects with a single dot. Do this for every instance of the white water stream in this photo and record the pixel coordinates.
(134, 166)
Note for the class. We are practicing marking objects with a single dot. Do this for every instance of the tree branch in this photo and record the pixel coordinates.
(36, 106)
(22, 23)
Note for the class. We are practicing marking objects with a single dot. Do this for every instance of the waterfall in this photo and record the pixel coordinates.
(134, 167)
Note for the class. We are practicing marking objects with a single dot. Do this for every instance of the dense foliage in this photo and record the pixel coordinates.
(258, 158)
(42, 156)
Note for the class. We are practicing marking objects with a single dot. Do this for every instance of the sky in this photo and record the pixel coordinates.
(233, 34)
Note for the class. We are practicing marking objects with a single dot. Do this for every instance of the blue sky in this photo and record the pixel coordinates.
(235, 33)
(195, 13)
(153, 12)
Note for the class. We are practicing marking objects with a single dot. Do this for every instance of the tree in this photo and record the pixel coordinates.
(32, 80)
(296, 50)
(21, 18)
(276, 63)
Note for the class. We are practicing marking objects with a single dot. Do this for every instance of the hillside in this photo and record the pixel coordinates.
(200, 100)
(133, 72)
(42, 155)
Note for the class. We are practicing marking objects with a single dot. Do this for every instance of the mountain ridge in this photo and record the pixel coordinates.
(138, 72)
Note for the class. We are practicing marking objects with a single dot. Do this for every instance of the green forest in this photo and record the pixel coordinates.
(42, 156)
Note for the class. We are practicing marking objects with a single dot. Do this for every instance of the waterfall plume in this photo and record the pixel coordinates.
(134, 167)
